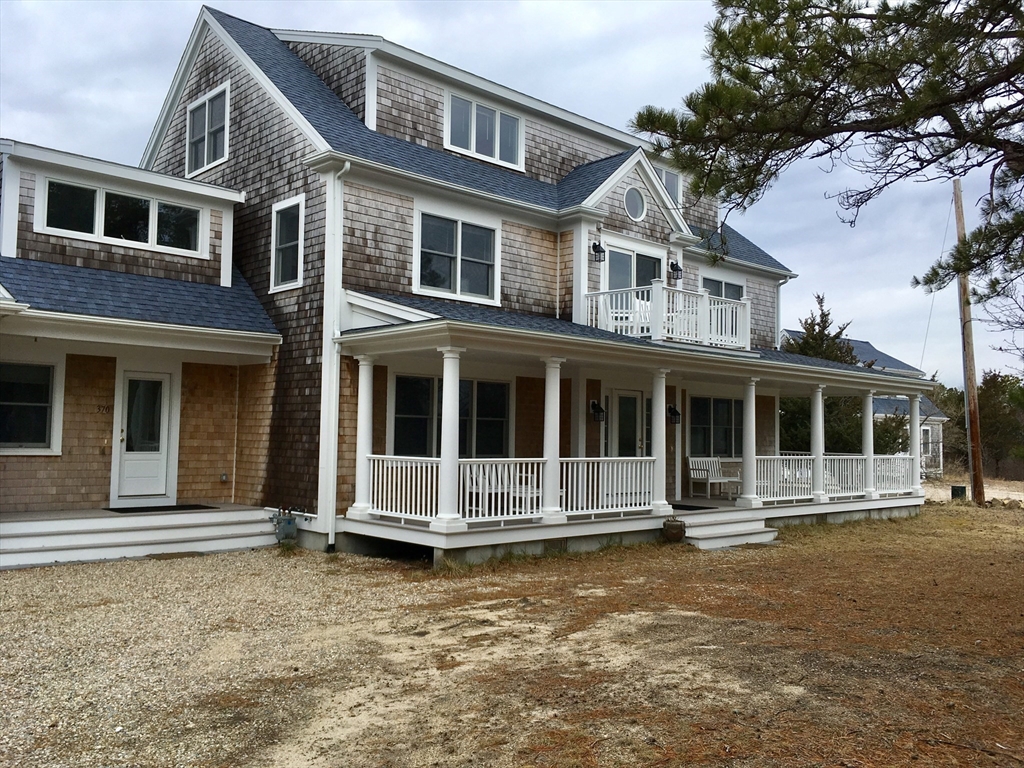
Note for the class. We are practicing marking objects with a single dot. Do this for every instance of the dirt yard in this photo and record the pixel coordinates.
(868, 644)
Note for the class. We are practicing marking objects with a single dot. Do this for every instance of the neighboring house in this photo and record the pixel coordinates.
(486, 322)
(931, 417)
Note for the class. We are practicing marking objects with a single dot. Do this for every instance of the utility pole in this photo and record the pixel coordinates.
(970, 379)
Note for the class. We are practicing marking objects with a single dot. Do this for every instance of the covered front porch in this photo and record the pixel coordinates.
(611, 427)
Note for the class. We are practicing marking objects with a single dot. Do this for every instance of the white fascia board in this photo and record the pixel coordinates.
(401, 54)
(399, 312)
(654, 186)
(8, 306)
(31, 156)
(206, 22)
(334, 160)
(531, 343)
(109, 330)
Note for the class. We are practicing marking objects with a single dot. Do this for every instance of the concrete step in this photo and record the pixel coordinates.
(723, 540)
(133, 520)
(116, 538)
(717, 515)
(709, 528)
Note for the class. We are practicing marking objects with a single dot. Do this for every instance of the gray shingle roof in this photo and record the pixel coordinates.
(887, 405)
(736, 247)
(345, 132)
(778, 356)
(103, 293)
(866, 352)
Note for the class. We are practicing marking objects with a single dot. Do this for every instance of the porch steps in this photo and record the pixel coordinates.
(26, 543)
(721, 528)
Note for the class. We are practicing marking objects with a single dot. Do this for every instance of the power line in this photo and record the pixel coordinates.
(931, 309)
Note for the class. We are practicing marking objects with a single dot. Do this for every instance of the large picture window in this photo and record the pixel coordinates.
(716, 427)
(26, 405)
(483, 131)
(208, 130)
(483, 417)
(456, 257)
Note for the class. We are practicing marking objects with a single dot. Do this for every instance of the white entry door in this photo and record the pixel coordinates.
(144, 422)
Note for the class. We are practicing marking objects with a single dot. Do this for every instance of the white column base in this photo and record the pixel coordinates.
(448, 525)
(749, 501)
(359, 512)
(871, 493)
(820, 497)
(916, 490)
(662, 509)
(553, 516)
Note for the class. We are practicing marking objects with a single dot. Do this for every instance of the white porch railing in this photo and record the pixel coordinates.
(659, 312)
(894, 474)
(844, 475)
(606, 485)
(784, 478)
(500, 488)
(404, 485)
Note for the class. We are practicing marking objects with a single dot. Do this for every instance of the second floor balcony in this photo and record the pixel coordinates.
(661, 313)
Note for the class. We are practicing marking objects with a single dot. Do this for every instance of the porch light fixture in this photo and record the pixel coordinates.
(676, 270)
(597, 411)
(598, 252)
(674, 416)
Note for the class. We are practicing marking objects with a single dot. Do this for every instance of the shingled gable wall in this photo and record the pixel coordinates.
(87, 253)
(342, 67)
(265, 153)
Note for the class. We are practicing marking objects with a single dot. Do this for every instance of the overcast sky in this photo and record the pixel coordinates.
(90, 77)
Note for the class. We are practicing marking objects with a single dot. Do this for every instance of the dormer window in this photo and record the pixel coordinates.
(117, 218)
(484, 131)
(208, 130)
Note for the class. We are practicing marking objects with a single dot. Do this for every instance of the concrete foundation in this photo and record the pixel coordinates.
(475, 555)
(884, 513)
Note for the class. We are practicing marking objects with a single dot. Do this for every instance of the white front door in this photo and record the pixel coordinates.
(144, 428)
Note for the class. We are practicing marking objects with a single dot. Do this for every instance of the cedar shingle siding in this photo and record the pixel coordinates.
(265, 152)
(343, 68)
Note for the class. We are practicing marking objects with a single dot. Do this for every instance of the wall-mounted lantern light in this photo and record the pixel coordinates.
(598, 252)
(674, 416)
(675, 270)
(597, 411)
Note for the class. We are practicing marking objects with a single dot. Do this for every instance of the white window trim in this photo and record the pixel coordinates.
(723, 275)
(299, 200)
(461, 216)
(40, 226)
(612, 241)
(57, 362)
(223, 88)
(679, 184)
(520, 152)
(687, 422)
(643, 200)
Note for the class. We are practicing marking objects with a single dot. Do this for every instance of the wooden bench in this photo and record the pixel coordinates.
(709, 471)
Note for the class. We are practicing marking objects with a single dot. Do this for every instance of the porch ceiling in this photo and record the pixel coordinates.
(490, 343)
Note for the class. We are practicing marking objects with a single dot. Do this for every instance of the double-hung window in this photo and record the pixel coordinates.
(26, 406)
(722, 289)
(671, 181)
(208, 130)
(287, 233)
(484, 131)
(483, 417)
(716, 427)
(456, 258)
(122, 218)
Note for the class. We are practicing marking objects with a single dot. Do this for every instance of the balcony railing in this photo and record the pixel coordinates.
(661, 313)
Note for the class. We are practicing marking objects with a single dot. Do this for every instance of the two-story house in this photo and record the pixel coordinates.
(501, 324)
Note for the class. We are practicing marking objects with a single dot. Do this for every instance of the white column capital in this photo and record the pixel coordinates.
(552, 362)
(661, 373)
(450, 352)
(365, 359)
(753, 380)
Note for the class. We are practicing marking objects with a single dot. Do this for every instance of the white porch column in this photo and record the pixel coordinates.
(360, 510)
(551, 506)
(449, 519)
(818, 443)
(659, 450)
(748, 497)
(915, 445)
(867, 443)
(657, 310)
